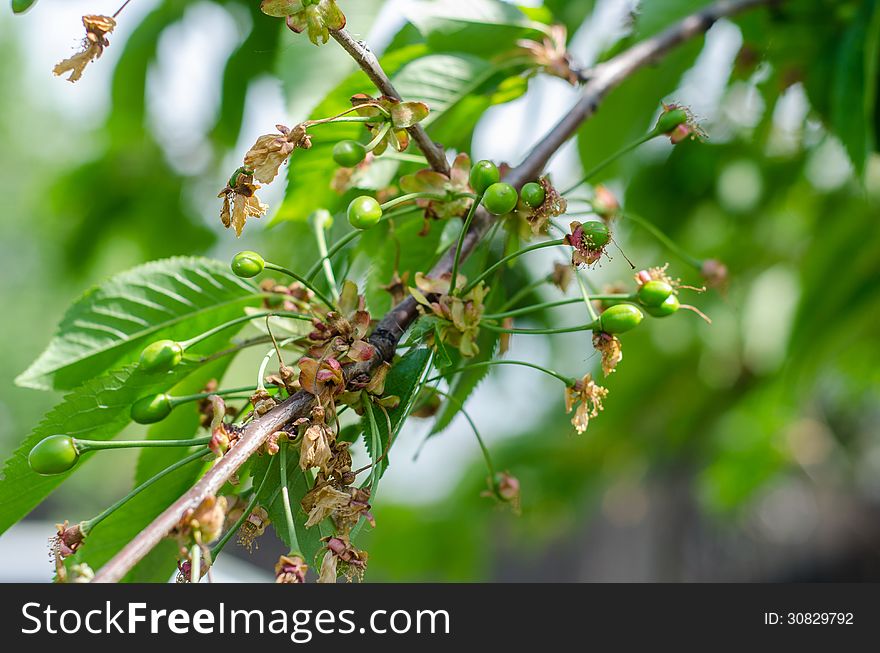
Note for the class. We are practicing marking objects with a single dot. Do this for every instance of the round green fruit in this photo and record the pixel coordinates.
(596, 234)
(533, 194)
(247, 264)
(620, 318)
(21, 6)
(500, 198)
(364, 212)
(349, 153)
(151, 409)
(483, 175)
(161, 356)
(668, 307)
(670, 119)
(654, 293)
(53, 455)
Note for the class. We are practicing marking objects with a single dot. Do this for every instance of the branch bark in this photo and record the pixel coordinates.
(365, 58)
(394, 324)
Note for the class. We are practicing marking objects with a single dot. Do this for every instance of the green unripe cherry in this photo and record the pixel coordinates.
(670, 119)
(483, 175)
(668, 307)
(533, 194)
(21, 6)
(349, 153)
(500, 198)
(161, 356)
(53, 455)
(654, 293)
(596, 234)
(619, 318)
(151, 409)
(247, 264)
(364, 212)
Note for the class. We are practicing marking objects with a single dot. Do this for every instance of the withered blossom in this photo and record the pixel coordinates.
(271, 151)
(323, 501)
(460, 315)
(609, 347)
(317, 19)
(253, 527)
(317, 440)
(342, 557)
(401, 115)
(562, 275)
(437, 183)
(375, 389)
(551, 54)
(324, 379)
(202, 524)
(538, 218)
(588, 396)
(240, 201)
(97, 29)
(342, 334)
(505, 487)
(67, 540)
(291, 569)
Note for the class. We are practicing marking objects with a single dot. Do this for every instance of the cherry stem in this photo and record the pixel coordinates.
(244, 318)
(350, 236)
(453, 278)
(195, 559)
(375, 445)
(584, 327)
(285, 498)
(470, 366)
(182, 399)
(586, 297)
(622, 297)
(88, 525)
(119, 11)
(485, 273)
(85, 446)
(611, 159)
(437, 197)
(296, 277)
(321, 218)
(665, 240)
(486, 456)
(380, 135)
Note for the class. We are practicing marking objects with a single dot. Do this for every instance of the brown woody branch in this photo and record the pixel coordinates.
(391, 328)
(370, 65)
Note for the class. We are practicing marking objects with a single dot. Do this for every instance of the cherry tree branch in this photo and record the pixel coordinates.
(370, 65)
(394, 324)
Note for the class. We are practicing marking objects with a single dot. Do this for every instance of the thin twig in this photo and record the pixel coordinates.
(364, 57)
(392, 326)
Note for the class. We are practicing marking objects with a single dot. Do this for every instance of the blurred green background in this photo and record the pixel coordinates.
(744, 450)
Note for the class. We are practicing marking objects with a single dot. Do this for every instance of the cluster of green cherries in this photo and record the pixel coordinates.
(497, 197)
(656, 298)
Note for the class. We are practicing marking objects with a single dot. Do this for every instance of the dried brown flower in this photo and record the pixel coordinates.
(97, 29)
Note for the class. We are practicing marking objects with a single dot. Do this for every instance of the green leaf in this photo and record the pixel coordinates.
(402, 381)
(854, 91)
(97, 410)
(481, 26)
(110, 324)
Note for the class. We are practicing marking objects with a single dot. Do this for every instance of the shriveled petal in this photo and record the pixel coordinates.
(361, 350)
(331, 14)
(328, 568)
(280, 8)
(322, 502)
(424, 181)
(407, 114)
